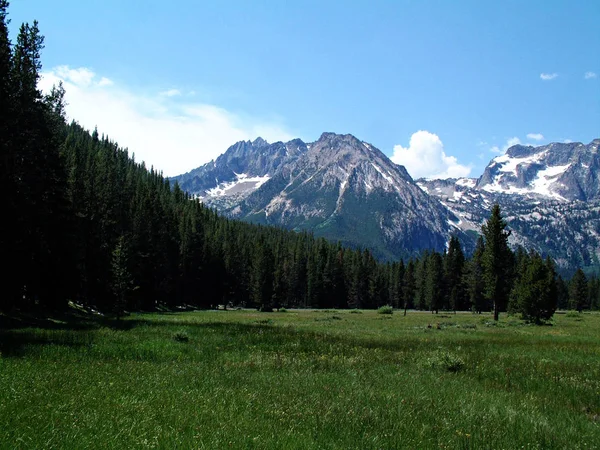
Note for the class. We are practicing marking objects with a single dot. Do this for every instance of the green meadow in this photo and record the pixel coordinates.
(301, 379)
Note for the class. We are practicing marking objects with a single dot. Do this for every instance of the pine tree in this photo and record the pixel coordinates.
(594, 292)
(408, 286)
(339, 289)
(562, 293)
(578, 291)
(262, 277)
(454, 262)
(420, 301)
(522, 262)
(8, 230)
(396, 280)
(122, 281)
(497, 261)
(434, 295)
(474, 279)
(41, 215)
(535, 293)
(315, 274)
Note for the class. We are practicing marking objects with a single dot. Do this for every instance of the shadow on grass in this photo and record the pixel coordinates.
(68, 328)
(16, 334)
(14, 344)
(56, 322)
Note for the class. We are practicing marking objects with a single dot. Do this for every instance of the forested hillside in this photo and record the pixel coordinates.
(84, 222)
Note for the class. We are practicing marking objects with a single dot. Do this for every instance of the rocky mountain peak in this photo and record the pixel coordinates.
(259, 142)
(345, 150)
(520, 151)
(244, 167)
(346, 189)
(558, 171)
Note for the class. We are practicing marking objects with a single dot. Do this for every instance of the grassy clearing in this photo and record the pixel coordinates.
(303, 379)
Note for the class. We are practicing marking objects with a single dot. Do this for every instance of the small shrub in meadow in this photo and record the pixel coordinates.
(282, 310)
(445, 360)
(355, 311)
(181, 336)
(328, 318)
(264, 321)
(387, 309)
(573, 313)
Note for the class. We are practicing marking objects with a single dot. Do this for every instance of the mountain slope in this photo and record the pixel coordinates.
(243, 168)
(550, 196)
(561, 171)
(348, 190)
(344, 189)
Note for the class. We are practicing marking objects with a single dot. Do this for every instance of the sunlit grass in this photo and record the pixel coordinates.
(303, 379)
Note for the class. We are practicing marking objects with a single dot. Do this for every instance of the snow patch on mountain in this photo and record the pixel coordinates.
(545, 178)
(387, 177)
(243, 183)
(423, 187)
(510, 165)
(529, 175)
(466, 182)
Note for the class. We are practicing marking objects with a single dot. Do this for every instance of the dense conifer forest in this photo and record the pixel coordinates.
(84, 222)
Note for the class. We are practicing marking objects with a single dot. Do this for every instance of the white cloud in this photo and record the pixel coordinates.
(173, 136)
(590, 75)
(509, 143)
(512, 141)
(535, 136)
(81, 77)
(567, 141)
(425, 157)
(171, 93)
(548, 76)
(105, 82)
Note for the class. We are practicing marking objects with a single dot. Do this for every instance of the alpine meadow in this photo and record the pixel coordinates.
(302, 295)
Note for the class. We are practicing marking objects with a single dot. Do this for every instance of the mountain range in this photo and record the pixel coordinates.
(347, 190)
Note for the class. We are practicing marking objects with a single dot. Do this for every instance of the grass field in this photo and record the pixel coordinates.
(302, 379)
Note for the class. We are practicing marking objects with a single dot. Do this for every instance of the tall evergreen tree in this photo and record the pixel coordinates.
(434, 295)
(262, 277)
(578, 291)
(453, 275)
(8, 231)
(594, 292)
(37, 174)
(474, 279)
(562, 293)
(497, 261)
(421, 281)
(535, 293)
(408, 286)
(122, 281)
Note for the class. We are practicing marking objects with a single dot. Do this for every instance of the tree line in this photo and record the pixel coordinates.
(85, 222)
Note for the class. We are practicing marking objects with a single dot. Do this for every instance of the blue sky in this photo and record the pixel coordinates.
(442, 86)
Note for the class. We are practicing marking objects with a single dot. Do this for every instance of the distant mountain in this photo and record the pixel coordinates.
(348, 190)
(344, 189)
(550, 196)
(337, 187)
(243, 168)
(557, 171)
